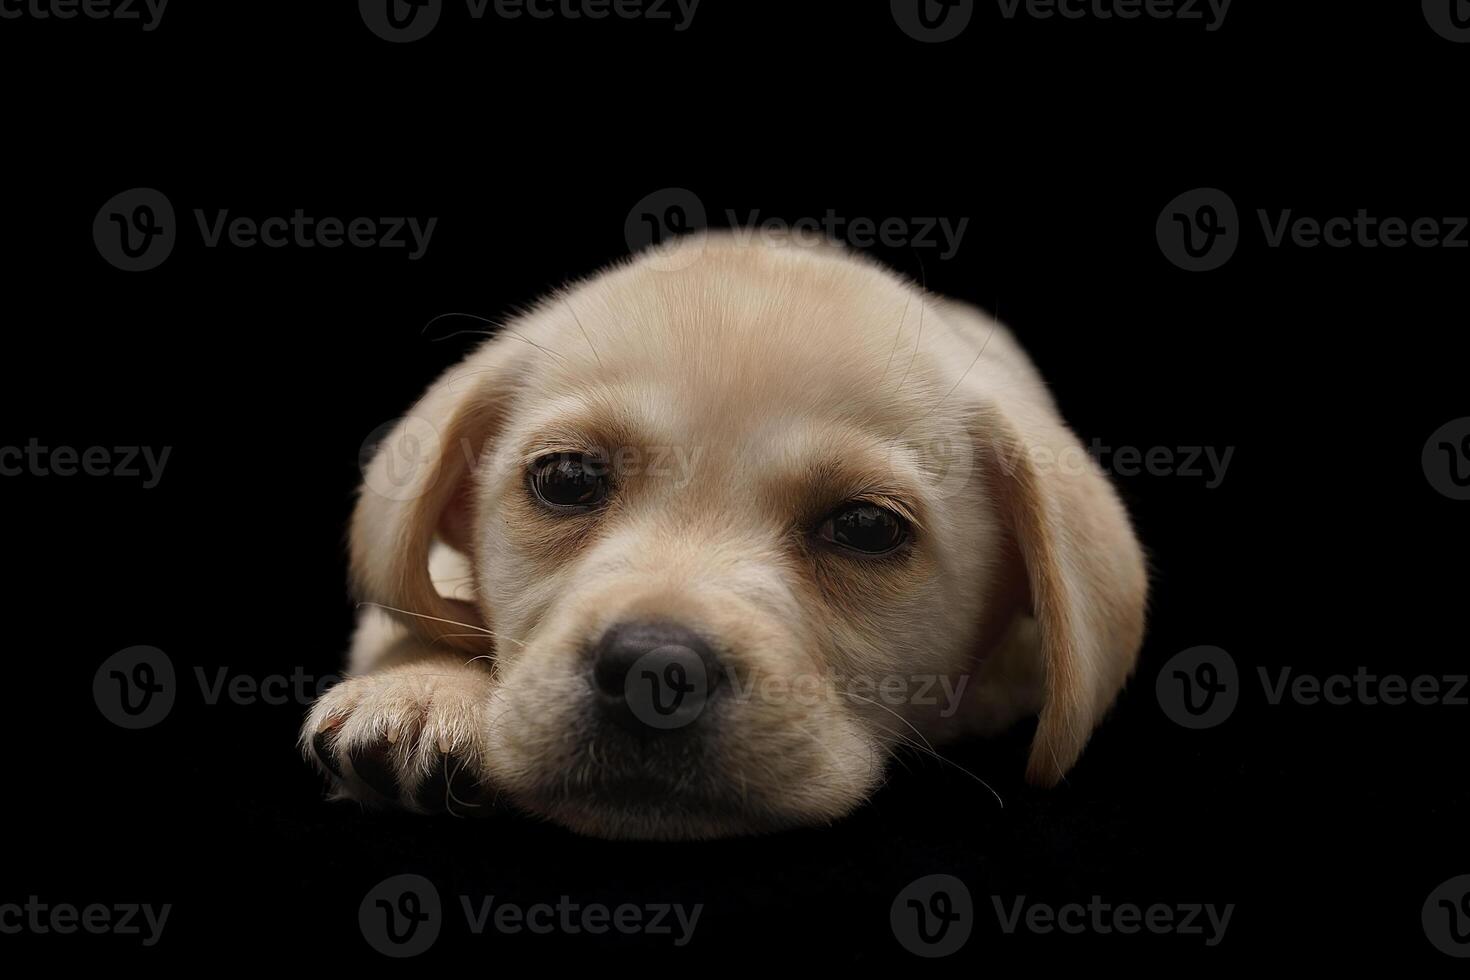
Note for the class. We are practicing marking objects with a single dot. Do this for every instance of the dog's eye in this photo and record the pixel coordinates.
(569, 481)
(867, 528)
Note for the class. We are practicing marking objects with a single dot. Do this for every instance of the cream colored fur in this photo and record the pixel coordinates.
(791, 377)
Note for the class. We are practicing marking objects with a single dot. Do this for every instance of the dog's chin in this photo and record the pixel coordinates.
(658, 799)
(645, 818)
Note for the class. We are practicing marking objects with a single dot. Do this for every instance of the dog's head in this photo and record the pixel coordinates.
(729, 510)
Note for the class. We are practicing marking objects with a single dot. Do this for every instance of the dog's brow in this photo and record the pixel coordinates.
(598, 423)
(841, 469)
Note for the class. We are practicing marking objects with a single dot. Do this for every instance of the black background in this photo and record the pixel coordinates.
(1325, 548)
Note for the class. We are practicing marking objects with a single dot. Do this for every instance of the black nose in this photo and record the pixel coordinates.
(654, 676)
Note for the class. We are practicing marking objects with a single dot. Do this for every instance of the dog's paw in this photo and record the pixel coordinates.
(412, 735)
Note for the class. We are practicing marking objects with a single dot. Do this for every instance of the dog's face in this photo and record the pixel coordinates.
(724, 508)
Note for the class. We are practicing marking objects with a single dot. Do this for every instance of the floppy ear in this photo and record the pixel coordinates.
(419, 484)
(1083, 572)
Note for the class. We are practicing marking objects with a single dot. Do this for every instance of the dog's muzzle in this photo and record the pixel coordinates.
(655, 679)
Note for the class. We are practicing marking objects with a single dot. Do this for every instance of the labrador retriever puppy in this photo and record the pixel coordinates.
(693, 547)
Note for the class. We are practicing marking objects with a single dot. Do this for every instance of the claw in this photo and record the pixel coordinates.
(324, 744)
(373, 767)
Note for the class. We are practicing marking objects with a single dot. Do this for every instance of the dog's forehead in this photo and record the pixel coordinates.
(745, 345)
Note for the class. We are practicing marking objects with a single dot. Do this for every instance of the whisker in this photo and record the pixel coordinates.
(533, 343)
(923, 291)
(586, 336)
(917, 340)
(903, 740)
(895, 714)
(449, 792)
(469, 316)
(897, 334)
(502, 329)
(451, 622)
(978, 354)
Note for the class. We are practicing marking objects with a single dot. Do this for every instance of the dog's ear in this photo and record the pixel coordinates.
(418, 486)
(1080, 566)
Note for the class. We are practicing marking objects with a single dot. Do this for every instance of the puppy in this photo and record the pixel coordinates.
(690, 549)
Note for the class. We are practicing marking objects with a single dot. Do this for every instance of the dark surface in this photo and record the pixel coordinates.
(1324, 548)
